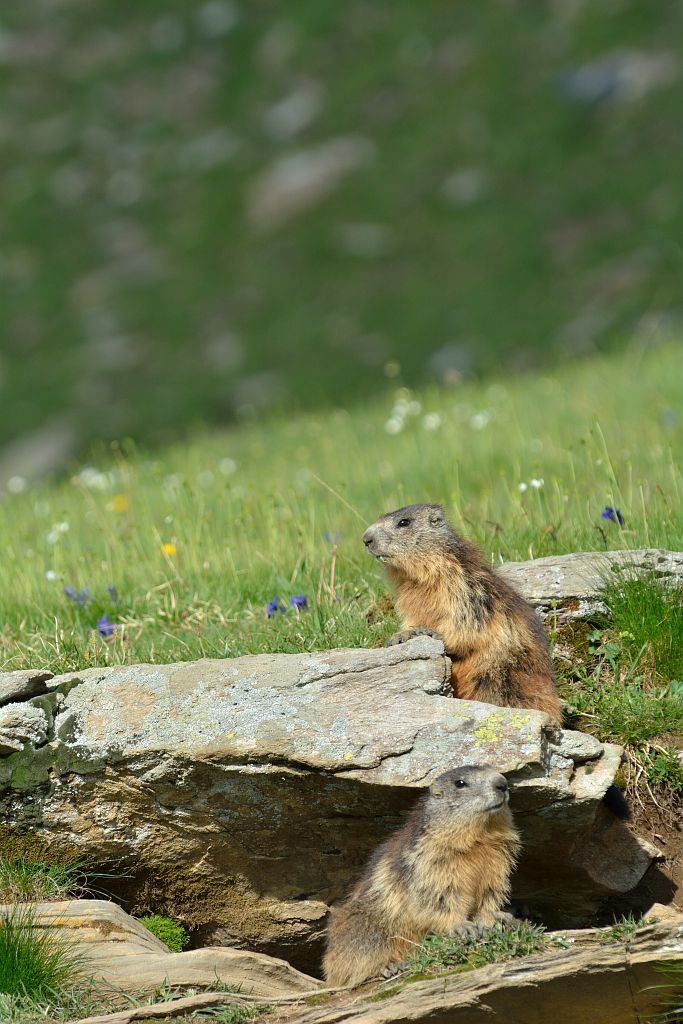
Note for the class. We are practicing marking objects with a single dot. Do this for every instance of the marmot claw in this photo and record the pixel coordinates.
(391, 970)
(469, 930)
(407, 634)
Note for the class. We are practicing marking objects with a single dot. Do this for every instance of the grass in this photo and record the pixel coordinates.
(197, 540)
(647, 617)
(23, 881)
(672, 994)
(178, 554)
(623, 930)
(439, 953)
(167, 930)
(139, 297)
(629, 689)
(35, 963)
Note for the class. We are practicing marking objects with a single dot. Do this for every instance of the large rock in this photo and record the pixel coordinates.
(570, 586)
(582, 978)
(588, 982)
(121, 953)
(243, 796)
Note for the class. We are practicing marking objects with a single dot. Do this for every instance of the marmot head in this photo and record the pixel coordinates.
(470, 791)
(409, 535)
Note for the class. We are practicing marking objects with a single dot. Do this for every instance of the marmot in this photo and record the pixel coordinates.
(444, 585)
(446, 871)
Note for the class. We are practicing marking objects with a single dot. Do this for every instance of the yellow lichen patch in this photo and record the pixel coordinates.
(489, 731)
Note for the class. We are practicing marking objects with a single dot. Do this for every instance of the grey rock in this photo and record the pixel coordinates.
(570, 586)
(302, 179)
(21, 724)
(243, 796)
(22, 685)
(620, 77)
(34, 455)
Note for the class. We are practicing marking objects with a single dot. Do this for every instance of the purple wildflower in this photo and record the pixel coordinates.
(113, 592)
(81, 596)
(70, 593)
(613, 514)
(105, 627)
(299, 601)
(275, 606)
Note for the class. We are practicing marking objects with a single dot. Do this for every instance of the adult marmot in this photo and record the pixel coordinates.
(444, 585)
(446, 871)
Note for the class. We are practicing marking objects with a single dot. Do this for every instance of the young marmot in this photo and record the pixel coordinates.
(446, 871)
(444, 585)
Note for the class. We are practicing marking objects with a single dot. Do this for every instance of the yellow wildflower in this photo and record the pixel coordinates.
(120, 503)
(169, 549)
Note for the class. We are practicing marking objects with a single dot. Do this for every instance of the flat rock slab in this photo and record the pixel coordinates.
(580, 979)
(121, 953)
(586, 983)
(570, 586)
(243, 796)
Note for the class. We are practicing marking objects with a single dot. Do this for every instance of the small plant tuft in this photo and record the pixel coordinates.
(623, 930)
(35, 962)
(238, 1014)
(167, 930)
(25, 881)
(502, 942)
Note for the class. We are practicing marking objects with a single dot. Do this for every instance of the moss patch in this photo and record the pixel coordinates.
(16, 845)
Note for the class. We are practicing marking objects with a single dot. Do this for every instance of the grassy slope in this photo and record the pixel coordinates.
(248, 511)
(125, 259)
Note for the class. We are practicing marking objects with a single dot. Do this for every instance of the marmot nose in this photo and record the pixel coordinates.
(501, 783)
(368, 538)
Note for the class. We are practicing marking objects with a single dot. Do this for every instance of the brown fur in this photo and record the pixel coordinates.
(449, 864)
(443, 583)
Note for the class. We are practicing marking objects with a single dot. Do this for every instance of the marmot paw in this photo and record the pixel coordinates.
(503, 917)
(407, 634)
(469, 930)
(391, 970)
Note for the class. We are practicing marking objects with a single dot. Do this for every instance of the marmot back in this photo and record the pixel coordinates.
(450, 864)
(444, 585)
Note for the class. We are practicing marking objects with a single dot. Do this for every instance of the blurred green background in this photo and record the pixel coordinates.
(213, 209)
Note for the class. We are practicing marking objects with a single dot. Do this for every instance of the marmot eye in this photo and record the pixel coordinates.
(460, 783)
(404, 522)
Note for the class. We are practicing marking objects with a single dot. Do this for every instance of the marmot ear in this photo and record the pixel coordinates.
(435, 519)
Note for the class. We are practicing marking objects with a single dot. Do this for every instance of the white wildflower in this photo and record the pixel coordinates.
(92, 478)
(480, 420)
(394, 425)
(51, 575)
(16, 484)
(537, 483)
(522, 487)
(57, 530)
(227, 466)
(432, 421)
